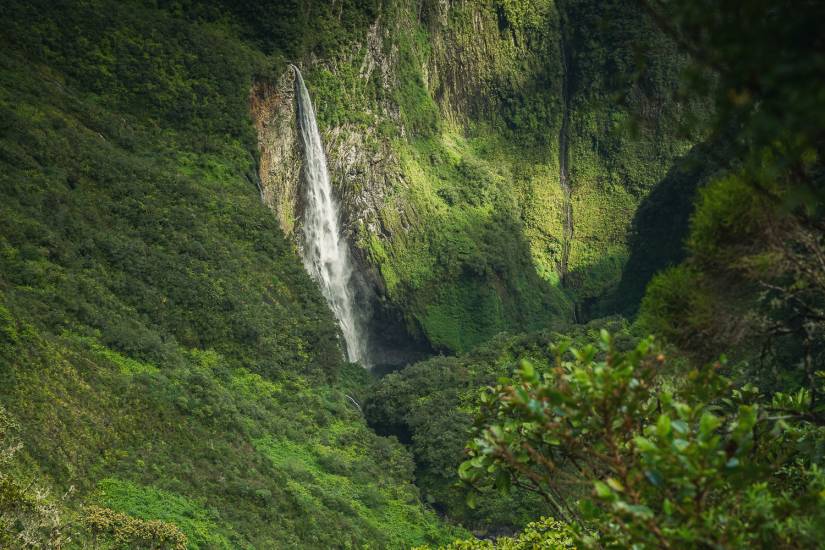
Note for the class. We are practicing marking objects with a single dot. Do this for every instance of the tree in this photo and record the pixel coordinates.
(29, 518)
(753, 284)
(657, 464)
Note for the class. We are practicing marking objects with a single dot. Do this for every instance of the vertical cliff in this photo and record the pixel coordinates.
(489, 157)
(274, 114)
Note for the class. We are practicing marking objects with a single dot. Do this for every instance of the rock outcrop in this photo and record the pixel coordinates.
(273, 110)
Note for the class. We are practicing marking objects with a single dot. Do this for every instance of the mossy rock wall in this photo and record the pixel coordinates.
(443, 128)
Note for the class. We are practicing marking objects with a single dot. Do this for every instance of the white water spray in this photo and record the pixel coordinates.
(325, 252)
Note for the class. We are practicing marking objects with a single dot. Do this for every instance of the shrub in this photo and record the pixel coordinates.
(28, 517)
(129, 531)
(705, 464)
(545, 534)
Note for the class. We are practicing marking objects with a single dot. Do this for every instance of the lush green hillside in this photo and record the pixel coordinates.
(509, 171)
(431, 406)
(162, 351)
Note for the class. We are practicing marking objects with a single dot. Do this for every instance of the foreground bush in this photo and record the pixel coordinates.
(703, 464)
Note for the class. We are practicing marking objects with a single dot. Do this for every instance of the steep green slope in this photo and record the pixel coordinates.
(661, 224)
(752, 284)
(491, 156)
(162, 351)
(628, 125)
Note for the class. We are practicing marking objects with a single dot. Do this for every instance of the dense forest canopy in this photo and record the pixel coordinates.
(588, 250)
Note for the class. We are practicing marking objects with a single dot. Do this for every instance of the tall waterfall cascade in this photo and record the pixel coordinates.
(326, 253)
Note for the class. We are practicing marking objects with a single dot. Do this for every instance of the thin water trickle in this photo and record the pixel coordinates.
(325, 253)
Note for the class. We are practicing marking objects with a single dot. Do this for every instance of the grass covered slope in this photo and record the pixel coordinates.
(162, 352)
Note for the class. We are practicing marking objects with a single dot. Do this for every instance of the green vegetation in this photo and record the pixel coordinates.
(628, 127)
(334, 474)
(431, 406)
(751, 285)
(125, 530)
(681, 463)
(147, 503)
(464, 273)
(546, 533)
(154, 322)
(28, 517)
(170, 377)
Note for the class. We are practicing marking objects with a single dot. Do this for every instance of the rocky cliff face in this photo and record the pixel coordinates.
(444, 130)
(362, 166)
(273, 111)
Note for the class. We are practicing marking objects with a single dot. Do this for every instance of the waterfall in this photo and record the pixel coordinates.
(325, 253)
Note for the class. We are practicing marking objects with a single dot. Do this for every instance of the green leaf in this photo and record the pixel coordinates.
(602, 490)
(680, 427)
(588, 509)
(708, 424)
(663, 426)
(654, 477)
(471, 500)
(615, 484)
(466, 470)
(527, 371)
(640, 511)
(644, 444)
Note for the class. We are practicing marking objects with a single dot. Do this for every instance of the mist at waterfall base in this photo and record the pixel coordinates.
(325, 252)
